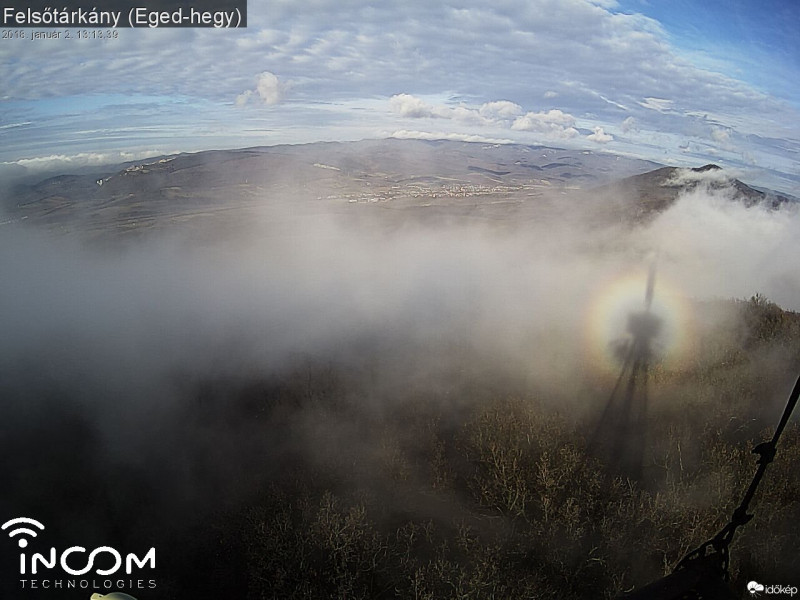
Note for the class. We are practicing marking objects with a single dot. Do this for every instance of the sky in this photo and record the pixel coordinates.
(682, 83)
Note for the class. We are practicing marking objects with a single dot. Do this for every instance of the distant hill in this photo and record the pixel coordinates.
(640, 197)
(395, 180)
(421, 179)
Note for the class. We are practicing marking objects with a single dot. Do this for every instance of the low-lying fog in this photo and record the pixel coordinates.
(103, 349)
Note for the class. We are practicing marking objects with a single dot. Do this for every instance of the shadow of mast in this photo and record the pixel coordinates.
(620, 435)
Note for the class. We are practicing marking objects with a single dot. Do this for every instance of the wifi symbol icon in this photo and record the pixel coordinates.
(22, 530)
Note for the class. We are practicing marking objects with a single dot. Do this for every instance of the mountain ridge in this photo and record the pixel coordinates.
(645, 195)
(417, 178)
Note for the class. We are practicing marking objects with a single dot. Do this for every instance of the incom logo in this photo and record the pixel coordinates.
(755, 588)
(22, 530)
(112, 596)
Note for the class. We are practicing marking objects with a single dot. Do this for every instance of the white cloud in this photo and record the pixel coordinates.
(553, 124)
(657, 104)
(600, 136)
(500, 109)
(503, 114)
(269, 90)
(489, 113)
(552, 117)
(549, 94)
(629, 125)
(684, 177)
(84, 159)
(722, 136)
(244, 98)
(13, 125)
(412, 107)
(404, 134)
